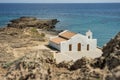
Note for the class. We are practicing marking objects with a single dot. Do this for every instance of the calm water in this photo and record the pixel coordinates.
(102, 19)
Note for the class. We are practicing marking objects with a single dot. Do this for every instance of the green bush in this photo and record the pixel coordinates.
(42, 35)
(34, 30)
(36, 34)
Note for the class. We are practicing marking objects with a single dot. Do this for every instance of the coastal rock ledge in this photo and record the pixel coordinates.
(24, 22)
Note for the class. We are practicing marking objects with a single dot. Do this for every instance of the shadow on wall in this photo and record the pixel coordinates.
(52, 48)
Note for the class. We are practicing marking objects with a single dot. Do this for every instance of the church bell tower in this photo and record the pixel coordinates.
(89, 34)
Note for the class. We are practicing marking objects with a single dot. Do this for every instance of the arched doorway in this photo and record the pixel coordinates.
(79, 46)
(88, 47)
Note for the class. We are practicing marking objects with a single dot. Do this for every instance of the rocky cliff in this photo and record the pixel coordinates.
(42, 66)
(111, 52)
(113, 46)
(110, 58)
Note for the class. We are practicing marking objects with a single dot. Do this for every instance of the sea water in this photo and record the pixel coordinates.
(102, 19)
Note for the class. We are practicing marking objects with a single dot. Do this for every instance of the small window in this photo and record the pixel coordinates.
(88, 47)
(70, 47)
(88, 37)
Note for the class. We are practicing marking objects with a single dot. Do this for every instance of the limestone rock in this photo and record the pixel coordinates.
(112, 46)
(65, 64)
(111, 52)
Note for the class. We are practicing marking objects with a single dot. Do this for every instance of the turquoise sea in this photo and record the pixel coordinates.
(102, 19)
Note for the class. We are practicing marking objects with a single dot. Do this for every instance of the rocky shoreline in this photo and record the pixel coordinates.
(23, 22)
(22, 59)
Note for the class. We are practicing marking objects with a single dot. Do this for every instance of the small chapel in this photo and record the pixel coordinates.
(68, 41)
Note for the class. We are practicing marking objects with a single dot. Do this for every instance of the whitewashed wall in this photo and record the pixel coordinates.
(54, 45)
(64, 46)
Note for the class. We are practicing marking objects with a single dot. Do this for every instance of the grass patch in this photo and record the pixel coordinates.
(8, 64)
(36, 34)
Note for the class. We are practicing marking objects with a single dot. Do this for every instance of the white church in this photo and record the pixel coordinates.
(68, 41)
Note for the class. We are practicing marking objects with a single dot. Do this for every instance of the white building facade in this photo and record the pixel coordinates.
(68, 41)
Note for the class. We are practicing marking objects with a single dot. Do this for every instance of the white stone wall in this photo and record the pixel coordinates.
(64, 46)
(93, 44)
(54, 45)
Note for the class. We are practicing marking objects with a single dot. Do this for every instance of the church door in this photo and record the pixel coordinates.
(79, 46)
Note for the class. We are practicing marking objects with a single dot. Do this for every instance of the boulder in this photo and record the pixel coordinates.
(81, 63)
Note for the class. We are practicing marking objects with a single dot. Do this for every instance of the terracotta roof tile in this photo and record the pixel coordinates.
(57, 40)
(67, 34)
